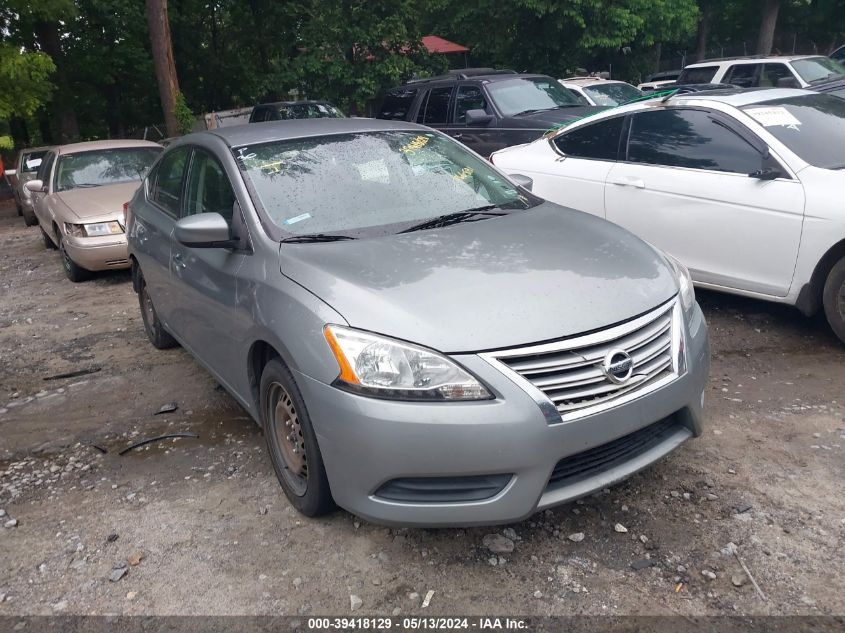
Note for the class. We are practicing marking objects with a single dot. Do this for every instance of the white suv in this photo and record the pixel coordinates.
(796, 71)
(744, 187)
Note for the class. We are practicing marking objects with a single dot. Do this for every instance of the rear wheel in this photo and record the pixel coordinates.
(834, 299)
(19, 207)
(29, 219)
(292, 442)
(158, 336)
(73, 271)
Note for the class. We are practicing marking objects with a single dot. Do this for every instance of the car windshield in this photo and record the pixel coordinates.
(104, 167)
(818, 69)
(373, 183)
(518, 96)
(31, 161)
(309, 111)
(612, 94)
(812, 126)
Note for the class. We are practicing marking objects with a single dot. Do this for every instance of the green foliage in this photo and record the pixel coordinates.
(24, 81)
(184, 116)
(6, 142)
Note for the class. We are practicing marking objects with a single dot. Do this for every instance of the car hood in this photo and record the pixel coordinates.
(93, 202)
(530, 276)
(547, 118)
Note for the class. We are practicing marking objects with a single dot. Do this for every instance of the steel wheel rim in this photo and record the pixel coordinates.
(841, 301)
(288, 438)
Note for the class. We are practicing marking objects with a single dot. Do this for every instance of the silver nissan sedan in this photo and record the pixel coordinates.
(423, 340)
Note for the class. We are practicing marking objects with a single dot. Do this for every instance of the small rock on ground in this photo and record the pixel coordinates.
(576, 537)
(355, 602)
(498, 544)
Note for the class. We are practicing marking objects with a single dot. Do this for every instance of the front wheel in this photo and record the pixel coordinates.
(48, 241)
(73, 271)
(159, 337)
(834, 299)
(292, 443)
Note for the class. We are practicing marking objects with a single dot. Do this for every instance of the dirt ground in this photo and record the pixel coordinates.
(215, 535)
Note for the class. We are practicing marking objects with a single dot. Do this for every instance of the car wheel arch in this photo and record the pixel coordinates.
(260, 353)
(809, 300)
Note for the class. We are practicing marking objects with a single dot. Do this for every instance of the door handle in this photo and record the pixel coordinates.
(630, 182)
(178, 262)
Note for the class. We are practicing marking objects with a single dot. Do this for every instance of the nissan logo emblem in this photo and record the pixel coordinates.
(618, 366)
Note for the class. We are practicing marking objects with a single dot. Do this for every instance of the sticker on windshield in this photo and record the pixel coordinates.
(773, 117)
(415, 144)
(297, 218)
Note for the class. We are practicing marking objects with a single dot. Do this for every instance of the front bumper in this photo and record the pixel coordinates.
(366, 443)
(98, 253)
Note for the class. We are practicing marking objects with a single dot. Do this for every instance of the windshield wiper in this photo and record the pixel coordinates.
(454, 218)
(534, 110)
(830, 77)
(310, 238)
(86, 185)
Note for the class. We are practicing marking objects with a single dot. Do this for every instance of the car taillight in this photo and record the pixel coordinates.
(125, 213)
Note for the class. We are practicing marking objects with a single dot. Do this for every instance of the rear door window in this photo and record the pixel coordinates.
(699, 75)
(166, 190)
(397, 104)
(689, 138)
(598, 141)
(743, 75)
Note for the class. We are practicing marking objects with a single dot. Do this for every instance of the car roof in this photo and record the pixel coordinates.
(736, 98)
(73, 148)
(293, 103)
(484, 78)
(238, 135)
(743, 97)
(751, 59)
(583, 81)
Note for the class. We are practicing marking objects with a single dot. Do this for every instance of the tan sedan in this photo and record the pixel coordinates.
(78, 197)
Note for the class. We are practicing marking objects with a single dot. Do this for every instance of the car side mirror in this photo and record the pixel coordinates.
(522, 180)
(478, 117)
(35, 186)
(788, 82)
(204, 230)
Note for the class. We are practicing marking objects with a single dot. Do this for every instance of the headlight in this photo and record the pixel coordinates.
(385, 368)
(687, 291)
(97, 229)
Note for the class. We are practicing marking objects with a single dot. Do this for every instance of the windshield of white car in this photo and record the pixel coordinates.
(372, 183)
(815, 70)
(95, 168)
(812, 126)
(612, 94)
(528, 95)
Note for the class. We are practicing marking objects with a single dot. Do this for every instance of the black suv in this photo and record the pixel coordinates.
(485, 109)
(284, 110)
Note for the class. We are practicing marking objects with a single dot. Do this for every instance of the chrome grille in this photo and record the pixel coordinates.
(570, 372)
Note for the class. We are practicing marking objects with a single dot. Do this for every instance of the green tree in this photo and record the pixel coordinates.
(24, 81)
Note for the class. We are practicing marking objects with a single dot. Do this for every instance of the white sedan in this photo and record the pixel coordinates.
(744, 187)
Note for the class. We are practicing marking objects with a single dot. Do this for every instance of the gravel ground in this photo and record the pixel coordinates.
(200, 526)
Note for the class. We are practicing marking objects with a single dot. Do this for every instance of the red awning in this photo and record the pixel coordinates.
(437, 45)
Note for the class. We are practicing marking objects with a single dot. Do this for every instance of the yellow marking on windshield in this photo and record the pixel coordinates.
(465, 173)
(415, 144)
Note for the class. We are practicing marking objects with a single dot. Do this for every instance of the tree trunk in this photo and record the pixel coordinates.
(768, 23)
(20, 131)
(62, 104)
(168, 84)
(703, 32)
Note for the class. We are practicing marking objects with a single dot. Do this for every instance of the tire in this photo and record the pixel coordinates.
(73, 271)
(48, 242)
(29, 219)
(292, 442)
(19, 207)
(159, 337)
(834, 299)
